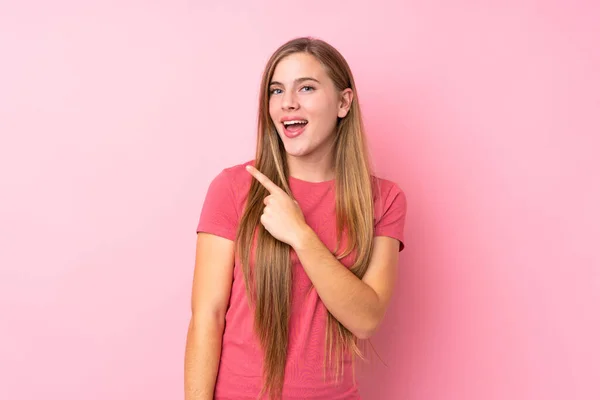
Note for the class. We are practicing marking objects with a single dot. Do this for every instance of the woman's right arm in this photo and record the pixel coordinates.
(211, 287)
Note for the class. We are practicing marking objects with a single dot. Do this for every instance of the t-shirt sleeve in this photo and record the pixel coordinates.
(219, 215)
(391, 222)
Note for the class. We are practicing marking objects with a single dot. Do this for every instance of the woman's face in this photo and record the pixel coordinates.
(304, 105)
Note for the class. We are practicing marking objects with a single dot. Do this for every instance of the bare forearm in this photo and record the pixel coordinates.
(202, 356)
(351, 301)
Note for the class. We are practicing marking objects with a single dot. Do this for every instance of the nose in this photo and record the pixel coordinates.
(289, 101)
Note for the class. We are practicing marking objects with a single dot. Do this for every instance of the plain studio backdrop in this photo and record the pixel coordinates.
(115, 116)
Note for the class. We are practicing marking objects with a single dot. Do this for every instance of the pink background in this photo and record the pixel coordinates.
(115, 115)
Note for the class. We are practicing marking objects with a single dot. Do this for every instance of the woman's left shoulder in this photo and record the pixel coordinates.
(389, 209)
(386, 189)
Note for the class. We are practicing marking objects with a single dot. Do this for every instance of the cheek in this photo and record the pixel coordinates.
(325, 114)
(275, 114)
(272, 109)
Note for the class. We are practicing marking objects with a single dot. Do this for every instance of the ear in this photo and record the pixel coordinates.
(346, 97)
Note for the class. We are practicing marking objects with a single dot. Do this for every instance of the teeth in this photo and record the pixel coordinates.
(287, 123)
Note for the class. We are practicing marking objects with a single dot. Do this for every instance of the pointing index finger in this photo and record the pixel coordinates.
(262, 178)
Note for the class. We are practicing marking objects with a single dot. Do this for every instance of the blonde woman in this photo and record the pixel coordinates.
(297, 250)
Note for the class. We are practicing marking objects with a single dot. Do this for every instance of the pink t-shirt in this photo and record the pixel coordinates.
(240, 369)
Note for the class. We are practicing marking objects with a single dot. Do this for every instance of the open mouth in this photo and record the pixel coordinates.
(294, 126)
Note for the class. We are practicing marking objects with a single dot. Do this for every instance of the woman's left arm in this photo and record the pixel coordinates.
(358, 304)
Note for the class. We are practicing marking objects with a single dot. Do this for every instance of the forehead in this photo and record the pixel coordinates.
(298, 65)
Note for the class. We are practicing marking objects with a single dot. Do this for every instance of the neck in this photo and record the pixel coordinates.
(318, 170)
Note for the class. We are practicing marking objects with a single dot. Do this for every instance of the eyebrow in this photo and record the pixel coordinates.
(296, 81)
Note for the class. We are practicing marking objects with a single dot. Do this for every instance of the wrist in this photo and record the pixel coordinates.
(303, 238)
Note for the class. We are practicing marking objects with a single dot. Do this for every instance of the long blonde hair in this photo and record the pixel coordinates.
(268, 282)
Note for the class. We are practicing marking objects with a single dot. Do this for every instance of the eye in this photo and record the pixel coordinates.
(275, 91)
(310, 88)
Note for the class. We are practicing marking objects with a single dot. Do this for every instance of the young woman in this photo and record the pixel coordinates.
(297, 249)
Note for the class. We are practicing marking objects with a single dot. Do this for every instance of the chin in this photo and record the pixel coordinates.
(295, 152)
